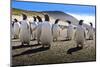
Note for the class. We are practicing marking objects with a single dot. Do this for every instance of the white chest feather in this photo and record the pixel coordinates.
(46, 34)
(55, 30)
(25, 31)
(16, 28)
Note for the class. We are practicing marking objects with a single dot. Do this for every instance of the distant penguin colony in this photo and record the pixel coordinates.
(25, 31)
(44, 32)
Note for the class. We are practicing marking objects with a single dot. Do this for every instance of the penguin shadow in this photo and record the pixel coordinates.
(64, 40)
(30, 51)
(15, 40)
(75, 49)
(24, 46)
(89, 39)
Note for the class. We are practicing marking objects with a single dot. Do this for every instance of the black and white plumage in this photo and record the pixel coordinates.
(70, 30)
(25, 30)
(45, 33)
(38, 29)
(56, 30)
(15, 28)
(90, 32)
(33, 28)
(80, 35)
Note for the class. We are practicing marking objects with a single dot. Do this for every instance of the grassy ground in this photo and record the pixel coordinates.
(34, 54)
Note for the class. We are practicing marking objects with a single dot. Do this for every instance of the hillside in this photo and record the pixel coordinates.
(20, 11)
(52, 14)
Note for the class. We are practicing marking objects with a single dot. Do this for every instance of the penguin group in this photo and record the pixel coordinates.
(45, 33)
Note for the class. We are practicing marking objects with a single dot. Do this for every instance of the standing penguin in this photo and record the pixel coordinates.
(55, 30)
(16, 28)
(46, 33)
(80, 34)
(90, 32)
(25, 31)
(12, 29)
(70, 29)
(33, 26)
(38, 29)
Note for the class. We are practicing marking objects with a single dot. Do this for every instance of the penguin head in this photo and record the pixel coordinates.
(34, 18)
(39, 18)
(46, 17)
(56, 22)
(15, 20)
(24, 16)
(91, 24)
(69, 22)
(81, 22)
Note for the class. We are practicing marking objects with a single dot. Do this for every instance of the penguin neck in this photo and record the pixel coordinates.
(15, 22)
(70, 24)
(55, 23)
(91, 26)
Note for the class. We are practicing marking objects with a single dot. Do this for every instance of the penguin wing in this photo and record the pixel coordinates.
(84, 34)
(75, 35)
(27, 26)
(52, 28)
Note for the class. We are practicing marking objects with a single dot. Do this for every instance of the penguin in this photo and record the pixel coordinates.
(46, 33)
(90, 31)
(16, 28)
(33, 26)
(56, 30)
(80, 35)
(86, 31)
(38, 29)
(70, 29)
(25, 31)
(12, 29)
